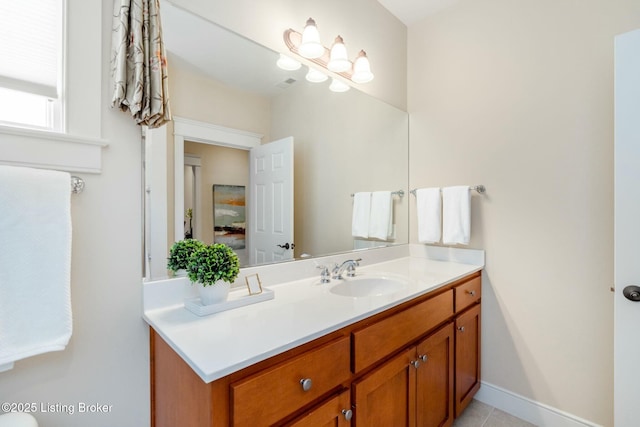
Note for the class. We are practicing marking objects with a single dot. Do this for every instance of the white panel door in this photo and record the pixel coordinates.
(627, 229)
(271, 195)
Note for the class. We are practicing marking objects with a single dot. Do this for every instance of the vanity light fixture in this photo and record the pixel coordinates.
(338, 86)
(308, 46)
(362, 69)
(338, 60)
(315, 76)
(288, 63)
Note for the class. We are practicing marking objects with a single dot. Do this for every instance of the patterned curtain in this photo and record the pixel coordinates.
(139, 62)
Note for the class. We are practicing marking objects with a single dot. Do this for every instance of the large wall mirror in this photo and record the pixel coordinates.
(236, 109)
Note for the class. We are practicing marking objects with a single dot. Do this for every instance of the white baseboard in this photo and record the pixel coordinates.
(529, 410)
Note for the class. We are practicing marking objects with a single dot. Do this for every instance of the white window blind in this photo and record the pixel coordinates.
(30, 61)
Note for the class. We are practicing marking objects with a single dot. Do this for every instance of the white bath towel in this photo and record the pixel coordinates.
(429, 212)
(361, 211)
(35, 261)
(381, 218)
(456, 215)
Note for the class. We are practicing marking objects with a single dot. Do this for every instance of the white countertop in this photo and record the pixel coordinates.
(302, 310)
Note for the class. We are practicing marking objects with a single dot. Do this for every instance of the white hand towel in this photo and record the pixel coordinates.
(361, 211)
(456, 215)
(381, 218)
(35, 262)
(429, 211)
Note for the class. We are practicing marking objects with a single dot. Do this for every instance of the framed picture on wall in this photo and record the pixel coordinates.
(229, 222)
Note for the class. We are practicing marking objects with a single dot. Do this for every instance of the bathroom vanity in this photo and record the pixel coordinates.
(410, 357)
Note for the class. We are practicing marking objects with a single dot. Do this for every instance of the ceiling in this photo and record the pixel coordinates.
(226, 57)
(410, 11)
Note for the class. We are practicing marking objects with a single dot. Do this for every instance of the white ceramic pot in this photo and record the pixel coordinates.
(214, 294)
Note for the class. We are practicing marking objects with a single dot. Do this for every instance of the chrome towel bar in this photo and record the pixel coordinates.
(399, 193)
(481, 189)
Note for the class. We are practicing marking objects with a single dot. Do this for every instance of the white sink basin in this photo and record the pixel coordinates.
(368, 286)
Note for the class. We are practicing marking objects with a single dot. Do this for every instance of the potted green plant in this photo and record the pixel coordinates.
(214, 268)
(179, 255)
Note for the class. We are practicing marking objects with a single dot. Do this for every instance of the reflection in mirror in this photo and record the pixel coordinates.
(215, 166)
(228, 89)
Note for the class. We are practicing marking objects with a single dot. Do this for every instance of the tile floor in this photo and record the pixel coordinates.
(479, 414)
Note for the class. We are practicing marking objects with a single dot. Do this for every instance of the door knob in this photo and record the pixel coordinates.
(287, 246)
(632, 292)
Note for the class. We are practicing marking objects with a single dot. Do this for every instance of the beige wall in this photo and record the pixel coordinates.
(197, 97)
(519, 96)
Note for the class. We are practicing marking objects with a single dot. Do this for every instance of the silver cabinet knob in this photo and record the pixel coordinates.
(461, 328)
(415, 363)
(348, 414)
(306, 384)
(472, 293)
(423, 357)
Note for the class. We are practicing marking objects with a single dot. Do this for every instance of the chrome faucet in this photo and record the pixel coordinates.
(349, 265)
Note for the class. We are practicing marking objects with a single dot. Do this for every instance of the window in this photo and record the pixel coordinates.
(31, 67)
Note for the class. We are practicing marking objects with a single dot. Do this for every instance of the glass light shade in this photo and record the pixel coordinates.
(310, 46)
(316, 76)
(287, 63)
(362, 69)
(338, 86)
(339, 61)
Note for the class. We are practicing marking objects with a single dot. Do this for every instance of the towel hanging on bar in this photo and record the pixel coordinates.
(35, 258)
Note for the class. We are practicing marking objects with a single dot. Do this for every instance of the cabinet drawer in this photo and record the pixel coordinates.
(335, 411)
(380, 339)
(468, 293)
(269, 396)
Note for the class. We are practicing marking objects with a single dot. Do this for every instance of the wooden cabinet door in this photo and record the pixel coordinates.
(434, 388)
(335, 412)
(467, 369)
(386, 396)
